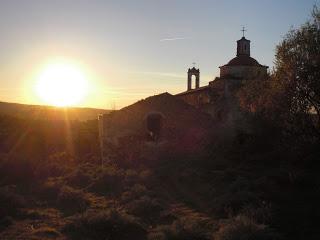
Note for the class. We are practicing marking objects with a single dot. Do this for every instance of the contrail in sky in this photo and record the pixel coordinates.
(173, 39)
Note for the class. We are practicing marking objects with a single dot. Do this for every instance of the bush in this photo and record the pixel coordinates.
(132, 177)
(5, 222)
(135, 192)
(21, 169)
(110, 180)
(144, 175)
(233, 202)
(49, 190)
(146, 208)
(50, 169)
(191, 228)
(72, 201)
(243, 228)
(10, 202)
(108, 224)
(82, 176)
(261, 214)
(46, 232)
(57, 164)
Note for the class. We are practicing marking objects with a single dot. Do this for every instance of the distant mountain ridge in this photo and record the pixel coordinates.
(41, 112)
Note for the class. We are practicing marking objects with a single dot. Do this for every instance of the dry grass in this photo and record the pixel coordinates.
(108, 224)
(46, 232)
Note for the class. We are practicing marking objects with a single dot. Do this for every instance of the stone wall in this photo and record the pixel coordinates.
(243, 72)
(196, 97)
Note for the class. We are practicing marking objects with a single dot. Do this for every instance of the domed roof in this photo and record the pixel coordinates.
(243, 60)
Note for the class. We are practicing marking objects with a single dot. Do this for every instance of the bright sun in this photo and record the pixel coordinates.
(61, 84)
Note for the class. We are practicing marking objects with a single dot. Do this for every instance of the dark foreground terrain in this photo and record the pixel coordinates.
(257, 186)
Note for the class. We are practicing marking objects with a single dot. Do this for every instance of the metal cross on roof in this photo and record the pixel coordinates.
(194, 64)
(243, 30)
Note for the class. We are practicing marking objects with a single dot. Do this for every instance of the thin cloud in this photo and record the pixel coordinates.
(129, 91)
(173, 39)
(125, 93)
(163, 74)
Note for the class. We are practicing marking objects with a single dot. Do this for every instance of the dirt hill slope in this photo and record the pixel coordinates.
(49, 112)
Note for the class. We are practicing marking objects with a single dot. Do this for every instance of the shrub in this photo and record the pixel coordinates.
(233, 202)
(50, 169)
(146, 208)
(10, 202)
(46, 232)
(20, 168)
(131, 175)
(243, 228)
(71, 200)
(261, 214)
(5, 222)
(145, 175)
(135, 192)
(62, 158)
(108, 224)
(80, 177)
(49, 190)
(108, 181)
(191, 228)
(55, 165)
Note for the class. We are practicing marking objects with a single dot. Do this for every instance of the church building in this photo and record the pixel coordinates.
(232, 75)
(176, 124)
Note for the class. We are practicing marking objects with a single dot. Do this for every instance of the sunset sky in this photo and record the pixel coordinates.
(128, 50)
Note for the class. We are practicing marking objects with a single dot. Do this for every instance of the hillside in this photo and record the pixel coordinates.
(49, 112)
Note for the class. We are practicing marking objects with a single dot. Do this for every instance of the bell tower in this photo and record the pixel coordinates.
(193, 72)
(243, 45)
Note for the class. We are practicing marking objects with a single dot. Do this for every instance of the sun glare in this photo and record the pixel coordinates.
(61, 84)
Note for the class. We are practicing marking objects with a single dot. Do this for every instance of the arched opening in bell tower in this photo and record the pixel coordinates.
(193, 78)
(193, 82)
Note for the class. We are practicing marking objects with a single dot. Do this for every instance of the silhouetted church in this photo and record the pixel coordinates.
(180, 125)
(232, 75)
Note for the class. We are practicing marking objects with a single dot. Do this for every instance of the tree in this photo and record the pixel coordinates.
(290, 98)
(297, 70)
